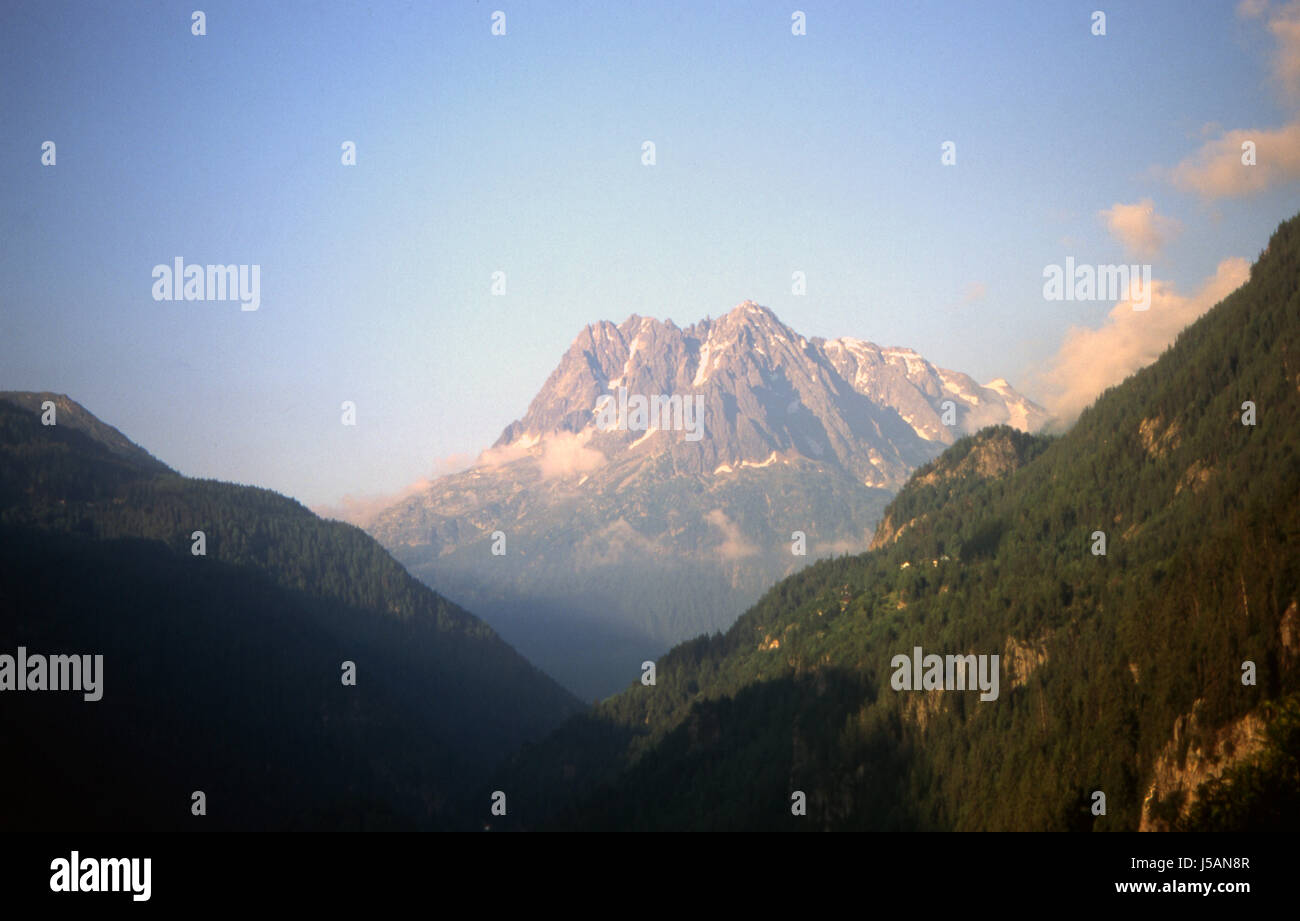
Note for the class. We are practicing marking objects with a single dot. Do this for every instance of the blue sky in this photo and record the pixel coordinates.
(522, 153)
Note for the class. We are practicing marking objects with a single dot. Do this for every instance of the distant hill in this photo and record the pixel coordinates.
(1120, 674)
(621, 540)
(222, 673)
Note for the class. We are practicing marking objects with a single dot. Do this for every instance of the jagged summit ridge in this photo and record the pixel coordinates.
(769, 395)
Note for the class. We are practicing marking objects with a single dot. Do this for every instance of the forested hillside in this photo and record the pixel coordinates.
(1121, 673)
(223, 672)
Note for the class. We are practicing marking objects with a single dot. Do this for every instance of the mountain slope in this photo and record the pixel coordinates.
(1121, 674)
(623, 534)
(223, 672)
(70, 416)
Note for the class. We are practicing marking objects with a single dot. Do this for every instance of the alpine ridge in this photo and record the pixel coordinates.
(771, 396)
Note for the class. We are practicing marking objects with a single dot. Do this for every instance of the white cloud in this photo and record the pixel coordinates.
(734, 546)
(566, 453)
(1090, 360)
(1216, 170)
(362, 510)
(557, 455)
(1285, 26)
(1142, 232)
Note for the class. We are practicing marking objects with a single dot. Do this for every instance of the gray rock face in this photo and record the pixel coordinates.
(770, 395)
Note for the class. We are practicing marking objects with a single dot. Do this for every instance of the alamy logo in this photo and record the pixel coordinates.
(52, 673)
(181, 282)
(637, 413)
(945, 673)
(103, 874)
(1098, 283)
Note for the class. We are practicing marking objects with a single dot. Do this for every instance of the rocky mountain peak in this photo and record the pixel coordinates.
(766, 395)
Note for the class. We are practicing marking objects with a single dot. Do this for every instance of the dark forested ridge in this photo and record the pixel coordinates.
(1121, 673)
(222, 673)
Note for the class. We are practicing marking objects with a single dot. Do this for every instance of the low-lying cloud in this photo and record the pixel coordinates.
(558, 455)
(734, 546)
(362, 510)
